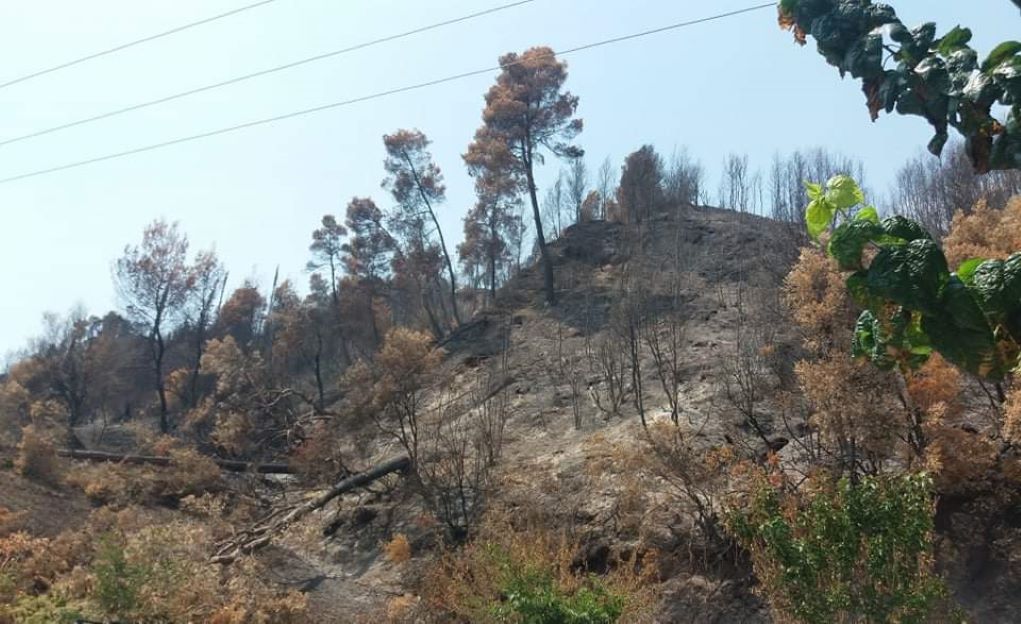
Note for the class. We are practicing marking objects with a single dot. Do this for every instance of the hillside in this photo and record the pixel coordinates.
(577, 451)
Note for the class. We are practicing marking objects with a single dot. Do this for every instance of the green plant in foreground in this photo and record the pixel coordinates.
(118, 582)
(47, 608)
(847, 552)
(938, 78)
(913, 303)
(535, 599)
(532, 595)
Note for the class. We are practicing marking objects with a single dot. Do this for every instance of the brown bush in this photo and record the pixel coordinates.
(189, 474)
(1012, 416)
(960, 461)
(398, 550)
(37, 457)
(985, 233)
(135, 566)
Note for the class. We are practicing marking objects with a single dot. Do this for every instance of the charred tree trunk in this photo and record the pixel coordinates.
(160, 460)
(260, 535)
(547, 262)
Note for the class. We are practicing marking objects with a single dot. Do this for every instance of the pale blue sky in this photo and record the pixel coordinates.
(739, 85)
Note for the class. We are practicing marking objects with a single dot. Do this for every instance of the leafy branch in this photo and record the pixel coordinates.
(940, 79)
(913, 303)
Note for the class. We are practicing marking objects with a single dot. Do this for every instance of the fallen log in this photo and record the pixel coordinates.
(252, 539)
(162, 460)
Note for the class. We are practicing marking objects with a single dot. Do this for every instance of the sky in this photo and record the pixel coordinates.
(736, 85)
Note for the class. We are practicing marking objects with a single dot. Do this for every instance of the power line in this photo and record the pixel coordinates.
(263, 72)
(373, 96)
(136, 42)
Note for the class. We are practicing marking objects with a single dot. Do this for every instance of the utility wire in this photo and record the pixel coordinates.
(256, 74)
(373, 96)
(130, 44)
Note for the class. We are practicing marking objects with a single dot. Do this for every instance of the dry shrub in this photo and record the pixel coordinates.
(815, 292)
(10, 521)
(985, 233)
(189, 474)
(233, 433)
(852, 408)
(935, 388)
(959, 461)
(398, 550)
(512, 573)
(400, 608)
(1012, 416)
(133, 566)
(318, 458)
(690, 479)
(14, 406)
(37, 457)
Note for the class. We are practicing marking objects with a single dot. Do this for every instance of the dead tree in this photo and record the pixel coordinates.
(159, 460)
(609, 362)
(254, 538)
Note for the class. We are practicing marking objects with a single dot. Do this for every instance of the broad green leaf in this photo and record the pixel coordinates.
(1001, 53)
(866, 341)
(987, 285)
(996, 286)
(904, 229)
(957, 38)
(814, 190)
(1012, 287)
(868, 213)
(848, 242)
(843, 192)
(907, 342)
(912, 275)
(959, 331)
(818, 217)
(967, 269)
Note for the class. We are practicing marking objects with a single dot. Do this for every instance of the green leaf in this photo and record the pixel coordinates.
(848, 241)
(957, 38)
(903, 229)
(1001, 53)
(959, 331)
(912, 275)
(867, 341)
(966, 270)
(917, 340)
(843, 192)
(868, 213)
(987, 284)
(814, 190)
(996, 286)
(818, 217)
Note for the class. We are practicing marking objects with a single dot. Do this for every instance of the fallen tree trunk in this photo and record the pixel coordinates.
(250, 540)
(160, 460)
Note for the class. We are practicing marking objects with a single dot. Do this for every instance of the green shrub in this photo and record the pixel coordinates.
(118, 582)
(845, 552)
(44, 609)
(533, 597)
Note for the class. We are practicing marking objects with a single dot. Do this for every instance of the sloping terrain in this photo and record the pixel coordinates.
(570, 452)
